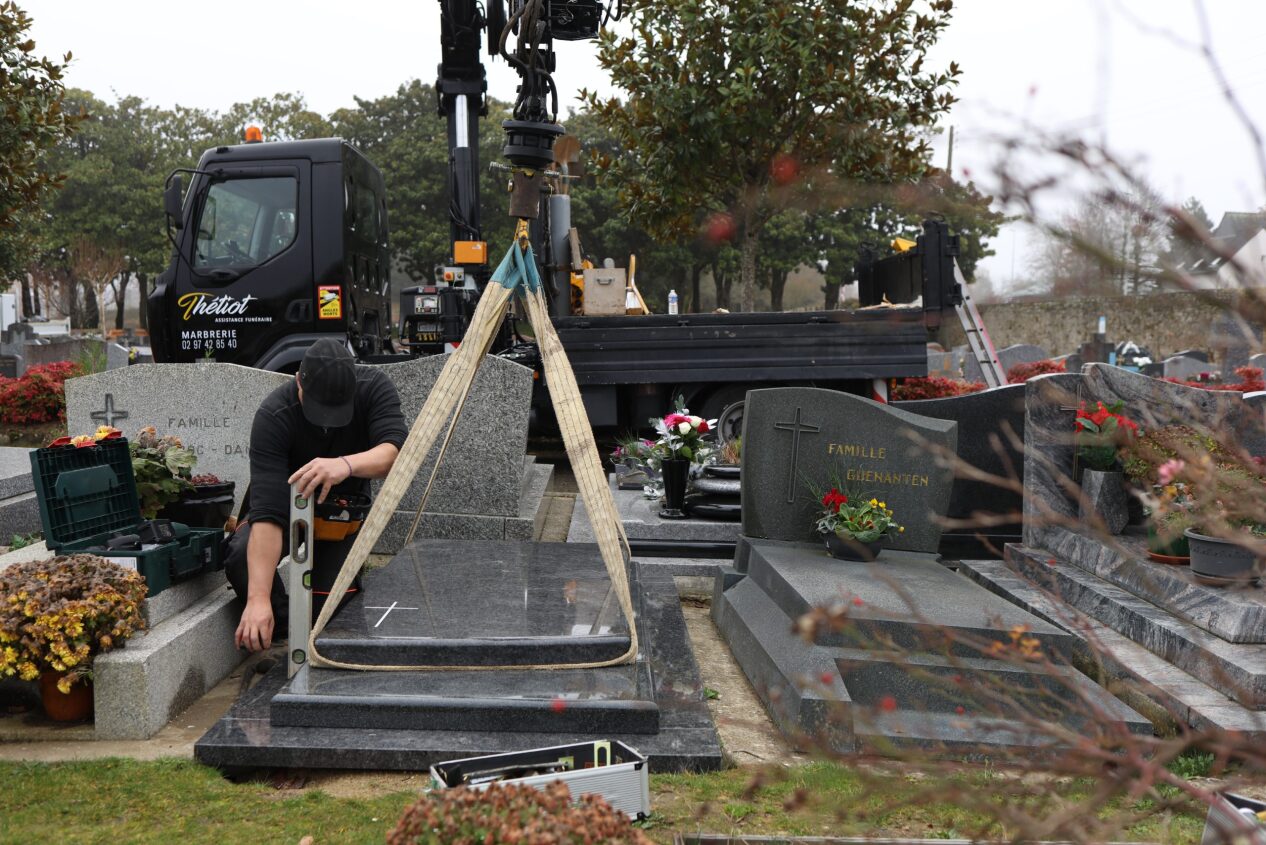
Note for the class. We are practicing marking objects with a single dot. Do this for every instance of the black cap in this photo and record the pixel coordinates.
(328, 378)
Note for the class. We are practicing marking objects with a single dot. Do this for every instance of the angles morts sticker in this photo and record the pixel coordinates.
(329, 302)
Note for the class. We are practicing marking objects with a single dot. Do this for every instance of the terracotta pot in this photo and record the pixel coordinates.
(847, 548)
(59, 706)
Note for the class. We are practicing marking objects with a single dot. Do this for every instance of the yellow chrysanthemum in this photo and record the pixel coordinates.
(28, 671)
(63, 684)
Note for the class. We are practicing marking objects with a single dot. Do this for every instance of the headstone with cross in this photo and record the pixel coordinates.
(110, 415)
(799, 441)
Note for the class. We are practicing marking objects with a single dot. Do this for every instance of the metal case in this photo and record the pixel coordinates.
(609, 768)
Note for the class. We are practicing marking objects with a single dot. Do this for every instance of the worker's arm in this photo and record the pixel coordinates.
(263, 553)
(325, 473)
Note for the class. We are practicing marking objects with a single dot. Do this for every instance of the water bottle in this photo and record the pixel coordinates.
(672, 302)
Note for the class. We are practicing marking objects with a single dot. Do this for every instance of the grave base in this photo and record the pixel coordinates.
(889, 680)
(685, 739)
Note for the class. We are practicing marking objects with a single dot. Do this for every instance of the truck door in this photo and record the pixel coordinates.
(246, 278)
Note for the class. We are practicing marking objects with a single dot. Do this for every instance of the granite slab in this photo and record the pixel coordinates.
(902, 599)
(1237, 670)
(15, 471)
(863, 692)
(1138, 675)
(641, 520)
(1235, 614)
(480, 602)
(686, 740)
(800, 440)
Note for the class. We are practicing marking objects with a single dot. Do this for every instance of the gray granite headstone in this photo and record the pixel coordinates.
(482, 471)
(116, 356)
(1258, 361)
(1233, 339)
(1184, 368)
(943, 364)
(210, 407)
(1021, 353)
(800, 439)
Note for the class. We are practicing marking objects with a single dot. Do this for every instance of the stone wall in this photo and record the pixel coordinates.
(1165, 323)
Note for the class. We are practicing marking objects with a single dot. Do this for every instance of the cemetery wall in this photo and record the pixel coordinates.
(1163, 322)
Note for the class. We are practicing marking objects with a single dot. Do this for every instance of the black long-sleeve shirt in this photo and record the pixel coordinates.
(282, 440)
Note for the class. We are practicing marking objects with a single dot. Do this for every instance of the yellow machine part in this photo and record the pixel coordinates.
(470, 252)
(903, 244)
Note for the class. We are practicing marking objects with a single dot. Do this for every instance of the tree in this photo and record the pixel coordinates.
(31, 92)
(96, 266)
(1184, 245)
(729, 102)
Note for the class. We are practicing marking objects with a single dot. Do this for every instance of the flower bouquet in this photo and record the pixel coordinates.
(1100, 435)
(680, 445)
(163, 468)
(855, 528)
(57, 614)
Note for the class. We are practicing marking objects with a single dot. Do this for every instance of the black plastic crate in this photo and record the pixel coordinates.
(87, 495)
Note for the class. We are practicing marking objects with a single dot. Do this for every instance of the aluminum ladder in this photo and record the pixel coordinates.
(978, 339)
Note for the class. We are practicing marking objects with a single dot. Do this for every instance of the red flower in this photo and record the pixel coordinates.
(887, 704)
(960, 710)
(703, 427)
(558, 705)
(61, 441)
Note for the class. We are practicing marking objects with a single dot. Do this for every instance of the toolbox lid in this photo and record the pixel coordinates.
(85, 491)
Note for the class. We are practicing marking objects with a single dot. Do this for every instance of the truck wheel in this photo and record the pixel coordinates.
(720, 401)
(730, 422)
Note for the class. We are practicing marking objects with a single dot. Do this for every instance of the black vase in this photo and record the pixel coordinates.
(675, 471)
(205, 506)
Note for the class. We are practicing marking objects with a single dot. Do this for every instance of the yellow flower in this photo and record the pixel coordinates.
(901, 529)
(882, 505)
(63, 684)
(28, 671)
(874, 502)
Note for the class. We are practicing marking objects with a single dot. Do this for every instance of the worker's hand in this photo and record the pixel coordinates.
(255, 631)
(320, 472)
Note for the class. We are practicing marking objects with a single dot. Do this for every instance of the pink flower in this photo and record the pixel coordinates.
(675, 419)
(1168, 470)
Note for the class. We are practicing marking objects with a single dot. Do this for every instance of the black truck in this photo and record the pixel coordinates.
(279, 244)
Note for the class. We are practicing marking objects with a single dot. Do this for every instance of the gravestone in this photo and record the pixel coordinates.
(1258, 361)
(1233, 339)
(1020, 353)
(210, 407)
(1183, 368)
(798, 440)
(445, 603)
(485, 487)
(990, 424)
(1198, 354)
(943, 364)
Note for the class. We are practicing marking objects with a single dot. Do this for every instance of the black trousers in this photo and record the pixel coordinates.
(327, 560)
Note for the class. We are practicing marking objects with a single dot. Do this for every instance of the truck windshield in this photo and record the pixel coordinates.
(245, 222)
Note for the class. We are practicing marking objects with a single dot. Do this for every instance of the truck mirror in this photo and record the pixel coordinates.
(172, 196)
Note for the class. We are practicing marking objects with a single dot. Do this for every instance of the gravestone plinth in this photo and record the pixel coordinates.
(915, 664)
(481, 604)
(798, 441)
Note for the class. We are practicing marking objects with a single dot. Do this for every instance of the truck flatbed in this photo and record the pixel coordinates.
(757, 347)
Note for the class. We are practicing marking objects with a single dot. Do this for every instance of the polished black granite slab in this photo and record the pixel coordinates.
(917, 645)
(685, 740)
(486, 603)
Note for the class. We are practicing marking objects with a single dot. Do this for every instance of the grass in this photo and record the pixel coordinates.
(115, 801)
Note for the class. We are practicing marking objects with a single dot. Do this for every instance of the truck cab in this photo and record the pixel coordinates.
(275, 245)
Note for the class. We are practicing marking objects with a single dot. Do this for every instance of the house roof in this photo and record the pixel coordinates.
(1236, 229)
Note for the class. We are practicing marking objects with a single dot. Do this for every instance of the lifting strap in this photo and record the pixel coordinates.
(516, 276)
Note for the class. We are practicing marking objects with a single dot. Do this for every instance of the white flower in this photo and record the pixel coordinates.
(695, 421)
(684, 427)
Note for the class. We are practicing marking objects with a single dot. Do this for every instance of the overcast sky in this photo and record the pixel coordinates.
(1094, 66)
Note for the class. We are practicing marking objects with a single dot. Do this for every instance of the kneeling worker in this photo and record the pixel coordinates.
(331, 430)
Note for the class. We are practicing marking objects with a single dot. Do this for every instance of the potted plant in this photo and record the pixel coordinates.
(1100, 434)
(56, 615)
(1152, 465)
(856, 527)
(680, 445)
(163, 469)
(1214, 493)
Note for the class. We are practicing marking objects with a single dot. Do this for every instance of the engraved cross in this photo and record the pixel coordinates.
(109, 415)
(796, 426)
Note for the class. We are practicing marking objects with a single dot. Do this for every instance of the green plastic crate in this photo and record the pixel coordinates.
(87, 495)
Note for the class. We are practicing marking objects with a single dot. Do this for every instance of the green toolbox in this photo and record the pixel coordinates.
(89, 505)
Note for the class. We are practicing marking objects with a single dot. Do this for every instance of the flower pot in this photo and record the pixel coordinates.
(1103, 496)
(73, 706)
(1169, 546)
(205, 506)
(848, 548)
(676, 472)
(1220, 562)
